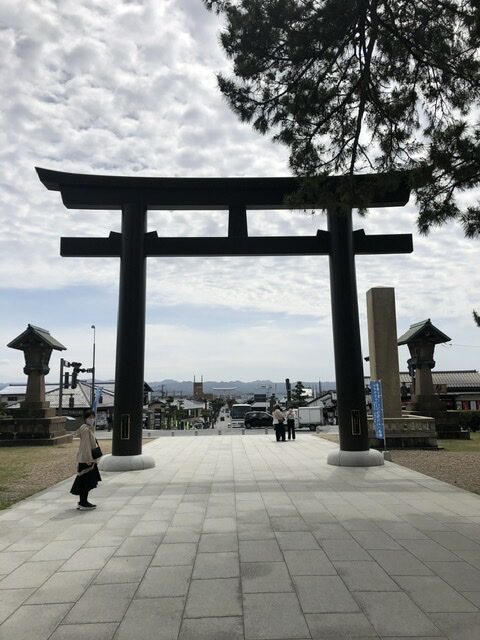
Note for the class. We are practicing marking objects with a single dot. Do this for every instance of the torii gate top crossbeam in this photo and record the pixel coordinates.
(81, 191)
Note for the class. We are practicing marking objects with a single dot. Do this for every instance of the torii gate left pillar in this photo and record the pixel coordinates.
(134, 196)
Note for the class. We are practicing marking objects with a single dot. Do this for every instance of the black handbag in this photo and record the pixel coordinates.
(96, 451)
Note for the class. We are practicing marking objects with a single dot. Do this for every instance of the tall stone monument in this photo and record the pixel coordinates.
(35, 422)
(401, 429)
(383, 349)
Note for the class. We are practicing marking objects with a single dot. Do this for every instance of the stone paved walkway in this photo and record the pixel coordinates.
(242, 537)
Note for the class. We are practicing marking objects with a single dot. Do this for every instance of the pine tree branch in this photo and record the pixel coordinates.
(364, 74)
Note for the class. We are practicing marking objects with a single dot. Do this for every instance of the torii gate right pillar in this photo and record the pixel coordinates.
(352, 413)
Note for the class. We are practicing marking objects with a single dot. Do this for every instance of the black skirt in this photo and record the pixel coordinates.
(87, 478)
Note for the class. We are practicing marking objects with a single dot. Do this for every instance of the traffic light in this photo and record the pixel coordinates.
(76, 370)
(66, 380)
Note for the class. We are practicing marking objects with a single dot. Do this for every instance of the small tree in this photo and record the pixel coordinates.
(272, 402)
(216, 404)
(298, 397)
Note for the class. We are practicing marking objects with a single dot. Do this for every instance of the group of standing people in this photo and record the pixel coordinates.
(282, 420)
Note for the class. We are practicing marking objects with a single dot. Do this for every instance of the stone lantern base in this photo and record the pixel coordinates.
(33, 426)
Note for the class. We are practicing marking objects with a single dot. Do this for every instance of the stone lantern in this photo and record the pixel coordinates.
(421, 339)
(35, 422)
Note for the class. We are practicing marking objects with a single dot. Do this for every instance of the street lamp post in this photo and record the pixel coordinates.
(92, 398)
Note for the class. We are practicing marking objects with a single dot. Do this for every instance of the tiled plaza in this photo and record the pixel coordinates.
(233, 537)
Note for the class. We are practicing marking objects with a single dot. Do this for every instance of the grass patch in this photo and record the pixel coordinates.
(471, 446)
(28, 470)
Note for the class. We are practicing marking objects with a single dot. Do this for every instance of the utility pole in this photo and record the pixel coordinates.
(60, 388)
(92, 396)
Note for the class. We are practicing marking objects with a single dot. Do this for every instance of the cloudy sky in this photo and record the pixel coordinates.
(129, 88)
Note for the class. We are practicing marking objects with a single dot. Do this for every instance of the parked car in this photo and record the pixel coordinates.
(101, 421)
(256, 419)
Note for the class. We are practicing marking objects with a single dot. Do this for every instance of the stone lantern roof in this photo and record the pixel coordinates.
(35, 336)
(423, 331)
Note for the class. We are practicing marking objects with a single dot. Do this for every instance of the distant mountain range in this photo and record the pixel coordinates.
(235, 387)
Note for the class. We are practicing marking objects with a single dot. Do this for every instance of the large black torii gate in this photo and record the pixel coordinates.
(134, 196)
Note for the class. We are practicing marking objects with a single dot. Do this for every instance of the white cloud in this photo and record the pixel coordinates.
(129, 88)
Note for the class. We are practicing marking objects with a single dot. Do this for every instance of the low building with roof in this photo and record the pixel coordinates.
(457, 389)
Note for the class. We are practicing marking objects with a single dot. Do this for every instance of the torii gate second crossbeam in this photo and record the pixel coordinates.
(135, 196)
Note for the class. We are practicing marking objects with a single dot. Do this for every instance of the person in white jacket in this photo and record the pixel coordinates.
(88, 475)
(279, 423)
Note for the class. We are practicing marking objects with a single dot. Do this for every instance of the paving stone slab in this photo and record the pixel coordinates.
(402, 531)
(181, 534)
(458, 626)
(63, 587)
(324, 594)
(224, 628)
(308, 562)
(10, 560)
(219, 525)
(371, 540)
(288, 523)
(33, 622)
(152, 619)
(214, 598)
(365, 576)
(11, 599)
(30, 574)
(216, 565)
(123, 569)
(344, 550)
(165, 582)
(331, 531)
(102, 603)
(88, 631)
(139, 546)
(339, 625)
(400, 563)
(429, 551)
(455, 541)
(292, 540)
(265, 577)
(432, 594)
(175, 554)
(89, 558)
(460, 575)
(273, 616)
(255, 531)
(57, 550)
(147, 528)
(473, 597)
(259, 551)
(394, 613)
(218, 542)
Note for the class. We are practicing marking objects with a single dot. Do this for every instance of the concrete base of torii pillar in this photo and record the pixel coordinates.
(126, 463)
(369, 458)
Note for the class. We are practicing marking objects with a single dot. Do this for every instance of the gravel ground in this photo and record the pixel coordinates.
(459, 468)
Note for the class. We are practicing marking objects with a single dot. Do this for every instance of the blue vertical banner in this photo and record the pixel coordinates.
(96, 399)
(377, 408)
